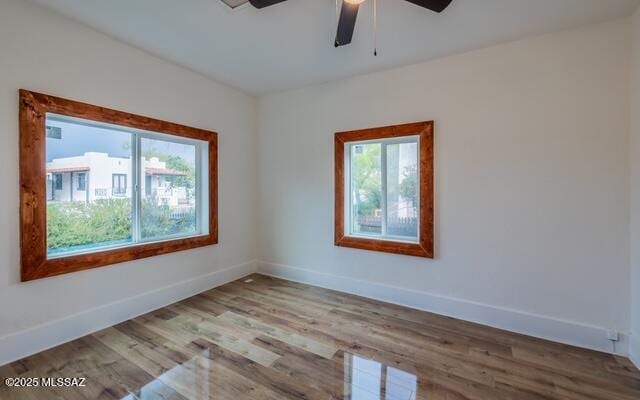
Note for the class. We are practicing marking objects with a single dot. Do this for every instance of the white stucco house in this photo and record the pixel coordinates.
(93, 176)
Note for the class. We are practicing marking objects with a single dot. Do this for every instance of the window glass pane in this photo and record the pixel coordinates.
(82, 213)
(58, 182)
(82, 181)
(169, 189)
(366, 188)
(119, 185)
(402, 190)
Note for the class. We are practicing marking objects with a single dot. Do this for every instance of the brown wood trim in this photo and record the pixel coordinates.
(33, 217)
(425, 247)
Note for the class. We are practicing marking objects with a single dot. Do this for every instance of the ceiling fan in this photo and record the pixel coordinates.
(349, 13)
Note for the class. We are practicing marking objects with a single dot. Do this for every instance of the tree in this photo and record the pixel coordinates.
(367, 179)
(409, 186)
(179, 164)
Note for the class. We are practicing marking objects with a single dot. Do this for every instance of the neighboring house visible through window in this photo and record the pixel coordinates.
(169, 199)
(160, 182)
(129, 191)
(384, 189)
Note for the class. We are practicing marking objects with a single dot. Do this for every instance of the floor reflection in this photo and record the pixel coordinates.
(202, 378)
(248, 343)
(192, 380)
(367, 379)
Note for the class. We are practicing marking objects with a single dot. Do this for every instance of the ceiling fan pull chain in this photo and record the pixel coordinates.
(375, 28)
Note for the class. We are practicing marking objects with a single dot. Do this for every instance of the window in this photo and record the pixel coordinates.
(58, 181)
(384, 189)
(82, 181)
(119, 184)
(116, 186)
(169, 173)
(148, 184)
(383, 186)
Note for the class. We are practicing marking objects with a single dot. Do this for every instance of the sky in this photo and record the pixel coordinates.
(78, 139)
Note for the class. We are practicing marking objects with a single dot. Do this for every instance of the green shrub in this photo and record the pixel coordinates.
(156, 221)
(109, 221)
(77, 224)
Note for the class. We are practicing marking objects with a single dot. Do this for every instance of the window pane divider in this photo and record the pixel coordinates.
(419, 187)
(197, 188)
(136, 167)
(350, 197)
(348, 203)
(383, 201)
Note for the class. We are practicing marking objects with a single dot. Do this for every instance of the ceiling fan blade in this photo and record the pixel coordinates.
(264, 3)
(346, 23)
(433, 5)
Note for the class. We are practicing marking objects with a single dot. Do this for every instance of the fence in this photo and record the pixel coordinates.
(118, 191)
(182, 213)
(395, 226)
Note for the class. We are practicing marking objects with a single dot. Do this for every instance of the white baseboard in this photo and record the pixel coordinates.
(540, 326)
(634, 349)
(33, 340)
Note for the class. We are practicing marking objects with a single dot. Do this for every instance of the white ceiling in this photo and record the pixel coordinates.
(291, 44)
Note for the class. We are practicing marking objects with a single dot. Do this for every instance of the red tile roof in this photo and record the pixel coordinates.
(163, 171)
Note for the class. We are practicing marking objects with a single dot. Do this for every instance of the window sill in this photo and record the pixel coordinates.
(385, 246)
(122, 246)
(394, 239)
(79, 262)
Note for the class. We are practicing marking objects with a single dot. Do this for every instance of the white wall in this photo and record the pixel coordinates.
(44, 52)
(532, 173)
(635, 190)
(532, 198)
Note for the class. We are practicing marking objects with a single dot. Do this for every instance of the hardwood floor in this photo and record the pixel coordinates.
(273, 339)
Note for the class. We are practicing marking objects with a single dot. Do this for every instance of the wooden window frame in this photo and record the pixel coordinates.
(425, 245)
(33, 192)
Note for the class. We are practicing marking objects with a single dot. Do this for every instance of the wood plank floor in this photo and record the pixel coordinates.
(273, 339)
